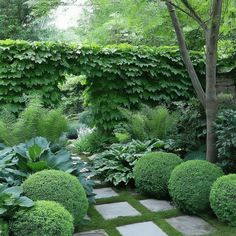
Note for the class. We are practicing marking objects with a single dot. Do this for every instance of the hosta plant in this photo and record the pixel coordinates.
(11, 199)
(116, 164)
(18, 162)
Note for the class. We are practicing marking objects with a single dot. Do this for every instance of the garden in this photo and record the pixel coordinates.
(122, 135)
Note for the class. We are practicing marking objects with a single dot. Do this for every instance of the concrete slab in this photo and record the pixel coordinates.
(157, 205)
(191, 225)
(104, 193)
(114, 210)
(141, 229)
(99, 232)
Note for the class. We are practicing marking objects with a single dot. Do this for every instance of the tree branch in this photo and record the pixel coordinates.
(194, 14)
(185, 54)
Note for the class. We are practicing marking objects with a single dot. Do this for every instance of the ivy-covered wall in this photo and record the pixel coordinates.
(117, 76)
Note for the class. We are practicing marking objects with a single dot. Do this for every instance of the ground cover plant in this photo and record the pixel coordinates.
(116, 164)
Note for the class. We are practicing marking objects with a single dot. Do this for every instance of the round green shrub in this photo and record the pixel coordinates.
(44, 218)
(223, 198)
(190, 185)
(152, 172)
(54, 185)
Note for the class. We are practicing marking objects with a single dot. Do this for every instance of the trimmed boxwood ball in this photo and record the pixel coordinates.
(55, 185)
(44, 218)
(223, 198)
(190, 185)
(152, 172)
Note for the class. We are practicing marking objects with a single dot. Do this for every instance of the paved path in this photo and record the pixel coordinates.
(186, 225)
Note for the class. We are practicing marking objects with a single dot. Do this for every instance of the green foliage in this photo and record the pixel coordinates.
(58, 186)
(3, 228)
(72, 90)
(17, 163)
(226, 139)
(92, 142)
(11, 199)
(116, 76)
(45, 218)
(33, 121)
(190, 184)
(152, 172)
(116, 164)
(191, 126)
(150, 123)
(222, 198)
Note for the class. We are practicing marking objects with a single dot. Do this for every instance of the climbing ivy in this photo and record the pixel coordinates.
(116, 76)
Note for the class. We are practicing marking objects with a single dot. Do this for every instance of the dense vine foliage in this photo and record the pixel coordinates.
(116, 76)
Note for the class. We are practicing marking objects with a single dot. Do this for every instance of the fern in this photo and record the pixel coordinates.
(52, 124)
(33, 121)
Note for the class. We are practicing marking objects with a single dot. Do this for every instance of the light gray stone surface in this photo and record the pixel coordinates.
(191, 225)
(100, 232)
(157, 205)
(104, 193)
(114, 210)
(141, 229)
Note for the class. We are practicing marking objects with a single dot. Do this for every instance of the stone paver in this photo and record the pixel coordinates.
(93, 233)
(104, 193)
(114, 210)
(157, 205)
(191, 225)
(141, 229)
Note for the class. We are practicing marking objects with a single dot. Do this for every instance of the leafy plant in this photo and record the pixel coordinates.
(92, 142)
(33, 121)
(116, 164)
(18, 162)
(226, 139)
(11, 199)
(150, 123)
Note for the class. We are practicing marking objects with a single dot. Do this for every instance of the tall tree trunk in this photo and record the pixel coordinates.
(185, 54)
(211, 60)
(208, 98)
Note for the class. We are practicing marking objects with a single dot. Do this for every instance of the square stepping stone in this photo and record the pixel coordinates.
(157, 205)
(141, 229)
(114, 210)
(104, 193)
(191, 225)
(99, 232)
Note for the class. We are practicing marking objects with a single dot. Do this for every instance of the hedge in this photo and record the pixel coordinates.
(117, 76)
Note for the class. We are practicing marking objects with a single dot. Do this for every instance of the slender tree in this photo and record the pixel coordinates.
(211, 32)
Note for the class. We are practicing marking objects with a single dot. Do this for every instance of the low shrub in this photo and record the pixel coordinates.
(222, 198)
(152, 172)
(190, 185)
(58, 186)
(45, 218)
